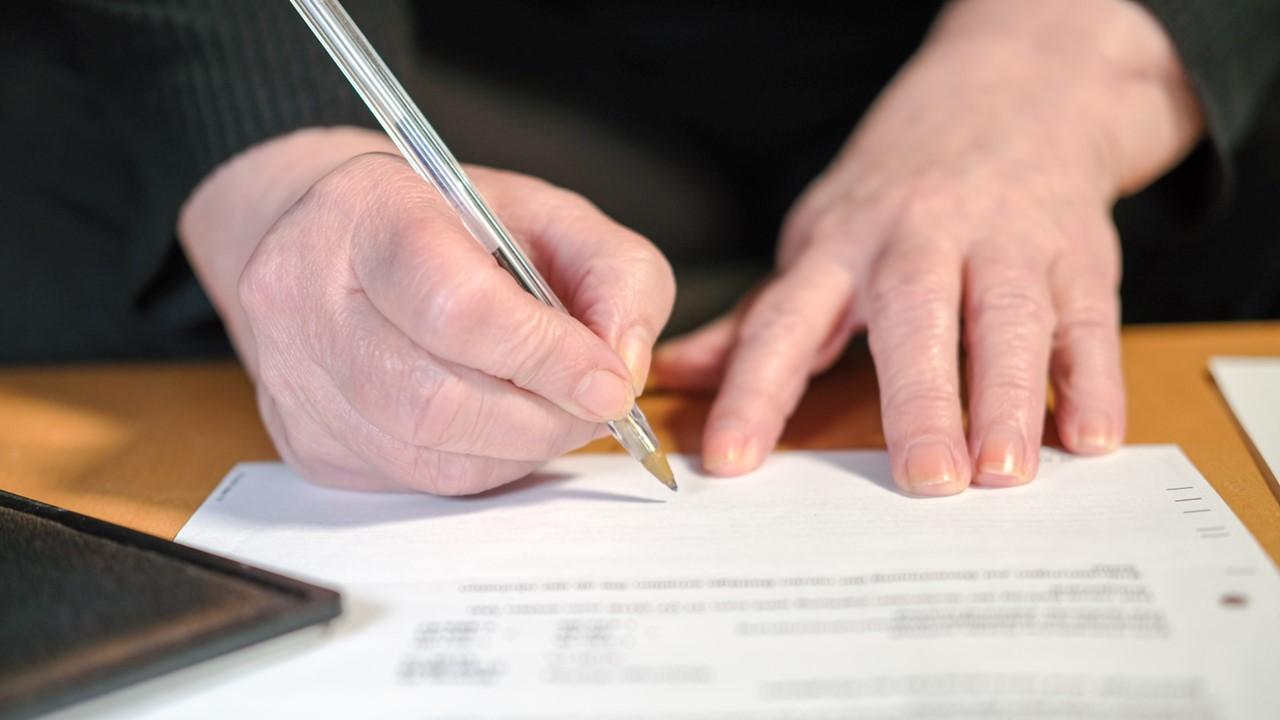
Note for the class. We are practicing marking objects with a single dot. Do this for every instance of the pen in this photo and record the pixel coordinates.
(428, 155)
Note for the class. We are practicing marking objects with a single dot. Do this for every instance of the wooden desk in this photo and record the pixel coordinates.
(143, 445)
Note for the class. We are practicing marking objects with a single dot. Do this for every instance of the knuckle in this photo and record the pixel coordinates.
(370, 190)
(1017, 298)
(1082, 329)
(342, 187)
(832, 226)
(426, 473)
(457, 475)
(1088, 315)
(261, 282)
(452, 309)
(634, 269)
(915, 279)
(371, 169)
(921, 317)
(920, 398)
(445, 474)
(841, 222)
(358, 354)
(779, 323)
(663, 288)
(842, 232)
(1009, 394)
(655, 266)
(929, 203)
(1086, 345)
(633, 261)
(437, 402)
(336, 341)
(535, 361)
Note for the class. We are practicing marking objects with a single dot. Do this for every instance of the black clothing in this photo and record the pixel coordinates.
(1231, 51)
(113, 110)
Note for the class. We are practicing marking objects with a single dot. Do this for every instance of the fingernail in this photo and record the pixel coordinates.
(605, 395)
(635, 353)
(1000, 458)
(930, 469)
(1094, 433)
(724, 451)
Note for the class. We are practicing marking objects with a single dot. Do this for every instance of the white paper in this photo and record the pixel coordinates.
(1252, 388)
(1120, 587)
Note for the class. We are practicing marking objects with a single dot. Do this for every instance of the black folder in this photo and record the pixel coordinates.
(87, 606)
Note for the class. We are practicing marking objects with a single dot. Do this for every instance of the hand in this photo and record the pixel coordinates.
(391, 351)
(978, 187)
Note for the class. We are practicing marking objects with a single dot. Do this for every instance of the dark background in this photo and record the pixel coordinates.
(699, 124)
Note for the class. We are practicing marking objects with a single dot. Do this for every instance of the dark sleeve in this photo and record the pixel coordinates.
(196, 81)
(124, 106)
(1231, 51)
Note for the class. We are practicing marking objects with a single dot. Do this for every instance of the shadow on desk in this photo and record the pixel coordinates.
(840, 410)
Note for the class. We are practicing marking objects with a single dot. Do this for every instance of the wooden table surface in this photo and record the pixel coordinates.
(142, 445)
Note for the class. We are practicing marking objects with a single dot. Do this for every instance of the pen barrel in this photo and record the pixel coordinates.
(528, 276)
(427, 154)
(416, 139)
(634, 434)
(401, 118)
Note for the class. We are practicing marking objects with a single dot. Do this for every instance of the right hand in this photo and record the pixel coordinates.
(392, 352)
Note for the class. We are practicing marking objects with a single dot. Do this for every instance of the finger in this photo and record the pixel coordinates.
(399, 464)
(421, 400)
(1008, 324)
(611, 278)
(441, 473)
(777, 342)
(332, 444)
(1086, 368)
(696, 361)
(310, 451)
(912, 328)
(835, 343)
(431, 280)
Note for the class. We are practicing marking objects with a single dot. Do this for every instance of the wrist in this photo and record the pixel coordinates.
(1116, 86)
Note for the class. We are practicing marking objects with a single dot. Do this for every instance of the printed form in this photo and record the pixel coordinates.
(1119, 587)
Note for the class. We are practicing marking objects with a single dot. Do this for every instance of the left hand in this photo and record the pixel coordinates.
(978, 186)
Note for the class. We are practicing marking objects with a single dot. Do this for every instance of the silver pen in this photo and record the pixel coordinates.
(428, 155)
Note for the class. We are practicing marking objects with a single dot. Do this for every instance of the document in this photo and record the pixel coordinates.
(1251, 386)
(1116, 587)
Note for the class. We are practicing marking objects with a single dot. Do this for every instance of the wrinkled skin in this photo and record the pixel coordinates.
(390, 352)
(975, 198)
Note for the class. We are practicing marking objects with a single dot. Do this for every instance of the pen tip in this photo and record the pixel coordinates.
(656, 463)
